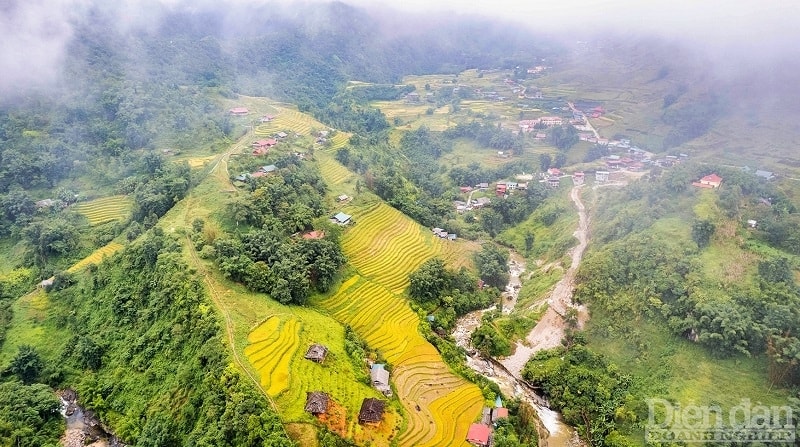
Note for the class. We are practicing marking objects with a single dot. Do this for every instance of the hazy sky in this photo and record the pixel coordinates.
(708, 19)
(34, 33)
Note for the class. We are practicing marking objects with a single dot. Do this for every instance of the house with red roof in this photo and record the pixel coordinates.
(239, 111)
(264, 144)
(709, 181)
(479, 435)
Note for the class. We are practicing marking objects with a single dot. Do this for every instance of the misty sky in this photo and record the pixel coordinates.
(35, 32)
(730, 20)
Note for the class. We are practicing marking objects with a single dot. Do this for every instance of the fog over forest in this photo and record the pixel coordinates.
(733, 37)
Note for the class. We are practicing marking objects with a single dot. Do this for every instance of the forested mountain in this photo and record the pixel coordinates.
(135, 109)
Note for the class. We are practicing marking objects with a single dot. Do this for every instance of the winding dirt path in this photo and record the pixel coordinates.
(549, 331)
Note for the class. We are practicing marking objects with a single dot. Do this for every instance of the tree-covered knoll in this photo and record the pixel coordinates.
(261, 253)
(148, 356)
(448, 294)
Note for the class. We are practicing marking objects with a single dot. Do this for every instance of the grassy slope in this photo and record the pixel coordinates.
(668, 366)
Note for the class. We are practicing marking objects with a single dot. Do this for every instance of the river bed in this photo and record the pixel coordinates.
(84, 429)
(547, 333)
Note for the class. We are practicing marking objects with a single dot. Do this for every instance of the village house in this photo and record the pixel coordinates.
(540, 136)
(440, 232)
(636, 166)
(412, 97)
(480, 202)
(342, 198)
(553, 181)
(501, 189)
(710, 181)
(379, 377)
(764, 174)
(281, 135)
(465, 189)
(264, 144)
(317, 402)
(554, 171)
(268, 169)
(522, 185)
(578, 178)
(512, 185)
(482, 186)
(601, 176)
(239, 111)
(316, 353)
(316, 234)
(371, 411)
(551, 121)
(45, 203)
(266, 118)
(479, 435)
(341, 218)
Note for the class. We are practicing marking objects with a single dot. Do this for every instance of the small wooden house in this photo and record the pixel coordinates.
(317, 402)
(380, 379)
(316, 353)
(371, 411)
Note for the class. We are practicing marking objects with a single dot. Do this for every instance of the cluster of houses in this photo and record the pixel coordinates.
(371, 412)
(442, 233)
(261, 172)
(527, 126)
(480, 433)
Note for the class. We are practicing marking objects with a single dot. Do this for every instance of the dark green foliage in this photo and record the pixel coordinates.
(563, 137)
(159, 191)
(52, 237)
(545, 161)
(488, 340)
(596, 152)
(776, 271)
(88, 353)
(492, 263)
(266, 259)
(702, 230)
(583, 386)
(380, 92)
(486, 135)
(29, 415)
(692, 120)
(429, 281)
(27, 365)
(161, 342)
(446, 294)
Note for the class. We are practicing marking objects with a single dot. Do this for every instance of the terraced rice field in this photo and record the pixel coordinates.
(276, 350)
(447, 403)
(97, 256)
(105, 209)
(199, 162)
(271, 348)
(339, 140)
(385, 246)
(333, 171)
